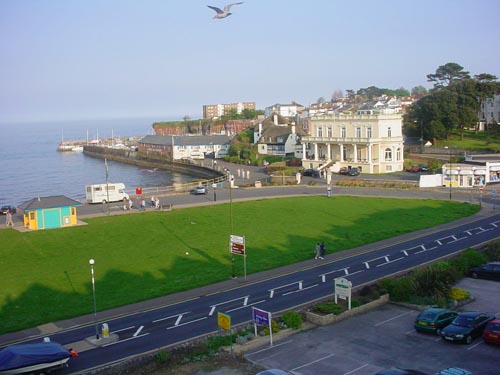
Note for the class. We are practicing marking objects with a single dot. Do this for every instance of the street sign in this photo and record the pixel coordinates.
(343, 289)
(260, 317)
(237, 244)
(224, 321)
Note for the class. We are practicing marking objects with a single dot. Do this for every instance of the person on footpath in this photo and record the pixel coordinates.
(143, 205)
(8, 220)
(153, 201)
(322, 250)
(329, 191)
(317, 250)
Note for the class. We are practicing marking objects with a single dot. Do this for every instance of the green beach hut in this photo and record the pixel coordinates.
(49, 212)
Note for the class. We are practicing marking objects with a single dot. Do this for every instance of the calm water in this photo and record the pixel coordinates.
(31, 167)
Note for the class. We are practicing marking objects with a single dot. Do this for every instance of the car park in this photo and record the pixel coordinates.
(487, 271)
(466, 327)
(8, 208)
(200, 190)
(433, 320)
(491, 333)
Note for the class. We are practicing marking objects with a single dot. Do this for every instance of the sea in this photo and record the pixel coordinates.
(31, 166)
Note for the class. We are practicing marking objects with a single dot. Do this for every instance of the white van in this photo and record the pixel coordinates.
(98, 194)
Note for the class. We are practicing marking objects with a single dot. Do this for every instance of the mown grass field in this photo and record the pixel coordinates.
(46, 274)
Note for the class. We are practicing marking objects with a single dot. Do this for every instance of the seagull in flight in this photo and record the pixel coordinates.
(223, 13)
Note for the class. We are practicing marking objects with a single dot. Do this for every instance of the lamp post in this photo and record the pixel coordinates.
(91, 262)
(449, 168)
(421, 135)
(214, 186)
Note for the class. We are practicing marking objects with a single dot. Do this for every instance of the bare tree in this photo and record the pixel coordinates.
(337, 94)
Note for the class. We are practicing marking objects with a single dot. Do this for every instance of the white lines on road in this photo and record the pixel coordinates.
(323, 275)
(242, 307)
(123, 329)
(300, 290)
(436, 340)
(130, 338)
(389, 261)
(213, 307)
(271, 294)
(191, 321)
(393, 318)
(473, 346)
(367, 265)
(171, 317)
(356, 369)
(316, 361)
(271, 347)
(138, 331)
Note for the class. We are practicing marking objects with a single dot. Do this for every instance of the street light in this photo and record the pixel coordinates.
(91, 262)
(214, 186)
(449, 168)
(421, 135)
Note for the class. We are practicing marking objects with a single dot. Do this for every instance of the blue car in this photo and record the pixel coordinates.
(466, 327)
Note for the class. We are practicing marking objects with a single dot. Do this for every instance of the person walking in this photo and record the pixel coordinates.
(322, 250)
(143, 205)
(329, 191)
(8, 220)
(153, 201)
(317, 251)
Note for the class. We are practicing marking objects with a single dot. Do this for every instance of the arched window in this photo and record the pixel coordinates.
(388, 154)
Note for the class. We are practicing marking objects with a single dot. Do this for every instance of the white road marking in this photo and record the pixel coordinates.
(213, 307)
(473, 346)
(170, 317)
(178, 320)
(393, 318)
(271, 295)
(191, 321)
(138, 331)
(242, 307)
(300, 290)
(388, 262)
(436, 340)
(356, 369)
(271, 347)
(310, 363)
(130, 338)
(123, 329)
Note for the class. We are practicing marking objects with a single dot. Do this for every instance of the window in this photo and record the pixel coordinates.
(388, 168)
(342, 132)
(398, 154)
(388, 154)
(73, 211)
(329, 132)
(358, 132)
(389, 132)
(369, 132)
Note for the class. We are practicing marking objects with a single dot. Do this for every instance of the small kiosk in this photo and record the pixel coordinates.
(49, 212)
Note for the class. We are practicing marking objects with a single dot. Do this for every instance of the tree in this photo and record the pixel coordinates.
(320, 100)
(487, 87)
(337, 94)
(419, 91)
(186, 118)
(446, 74)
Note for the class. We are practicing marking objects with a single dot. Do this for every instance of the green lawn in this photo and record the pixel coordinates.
(46, 274)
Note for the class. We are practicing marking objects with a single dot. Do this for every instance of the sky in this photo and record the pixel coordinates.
(165, 59)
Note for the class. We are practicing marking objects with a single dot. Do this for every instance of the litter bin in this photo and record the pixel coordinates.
(105, 330)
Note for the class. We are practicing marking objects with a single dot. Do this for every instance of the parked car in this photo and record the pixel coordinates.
(354, 172)
(343, 170)
(491, 333)
(200, 190)
(275, 371)
(413, 169)
(310, 172)
(454, 371)
(487, 271)
(398, 371)
(466, 326)
(8, 208)
(423, 168)
(433, 320)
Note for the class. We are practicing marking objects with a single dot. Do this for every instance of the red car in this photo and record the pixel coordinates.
(491, 333)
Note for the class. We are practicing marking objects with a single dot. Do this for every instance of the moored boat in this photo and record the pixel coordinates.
(33, 358)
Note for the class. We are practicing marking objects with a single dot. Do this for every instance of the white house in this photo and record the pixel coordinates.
(372, 142)
(285, 110)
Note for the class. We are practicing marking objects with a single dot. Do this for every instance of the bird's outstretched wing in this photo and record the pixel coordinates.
(228, 6)
(218, 10)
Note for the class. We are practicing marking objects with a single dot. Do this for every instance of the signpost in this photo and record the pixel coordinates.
(262, 318)
(343, 289)
(224, 323)
(237, 246)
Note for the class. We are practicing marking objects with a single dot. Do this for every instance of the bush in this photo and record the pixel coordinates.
(292, 319)
(468, 259)
(458, 294)
(492, 252)
(399, 289)
(328, 308)
(274, 325)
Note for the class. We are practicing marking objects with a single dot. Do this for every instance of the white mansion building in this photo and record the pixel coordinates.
(372, 142)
